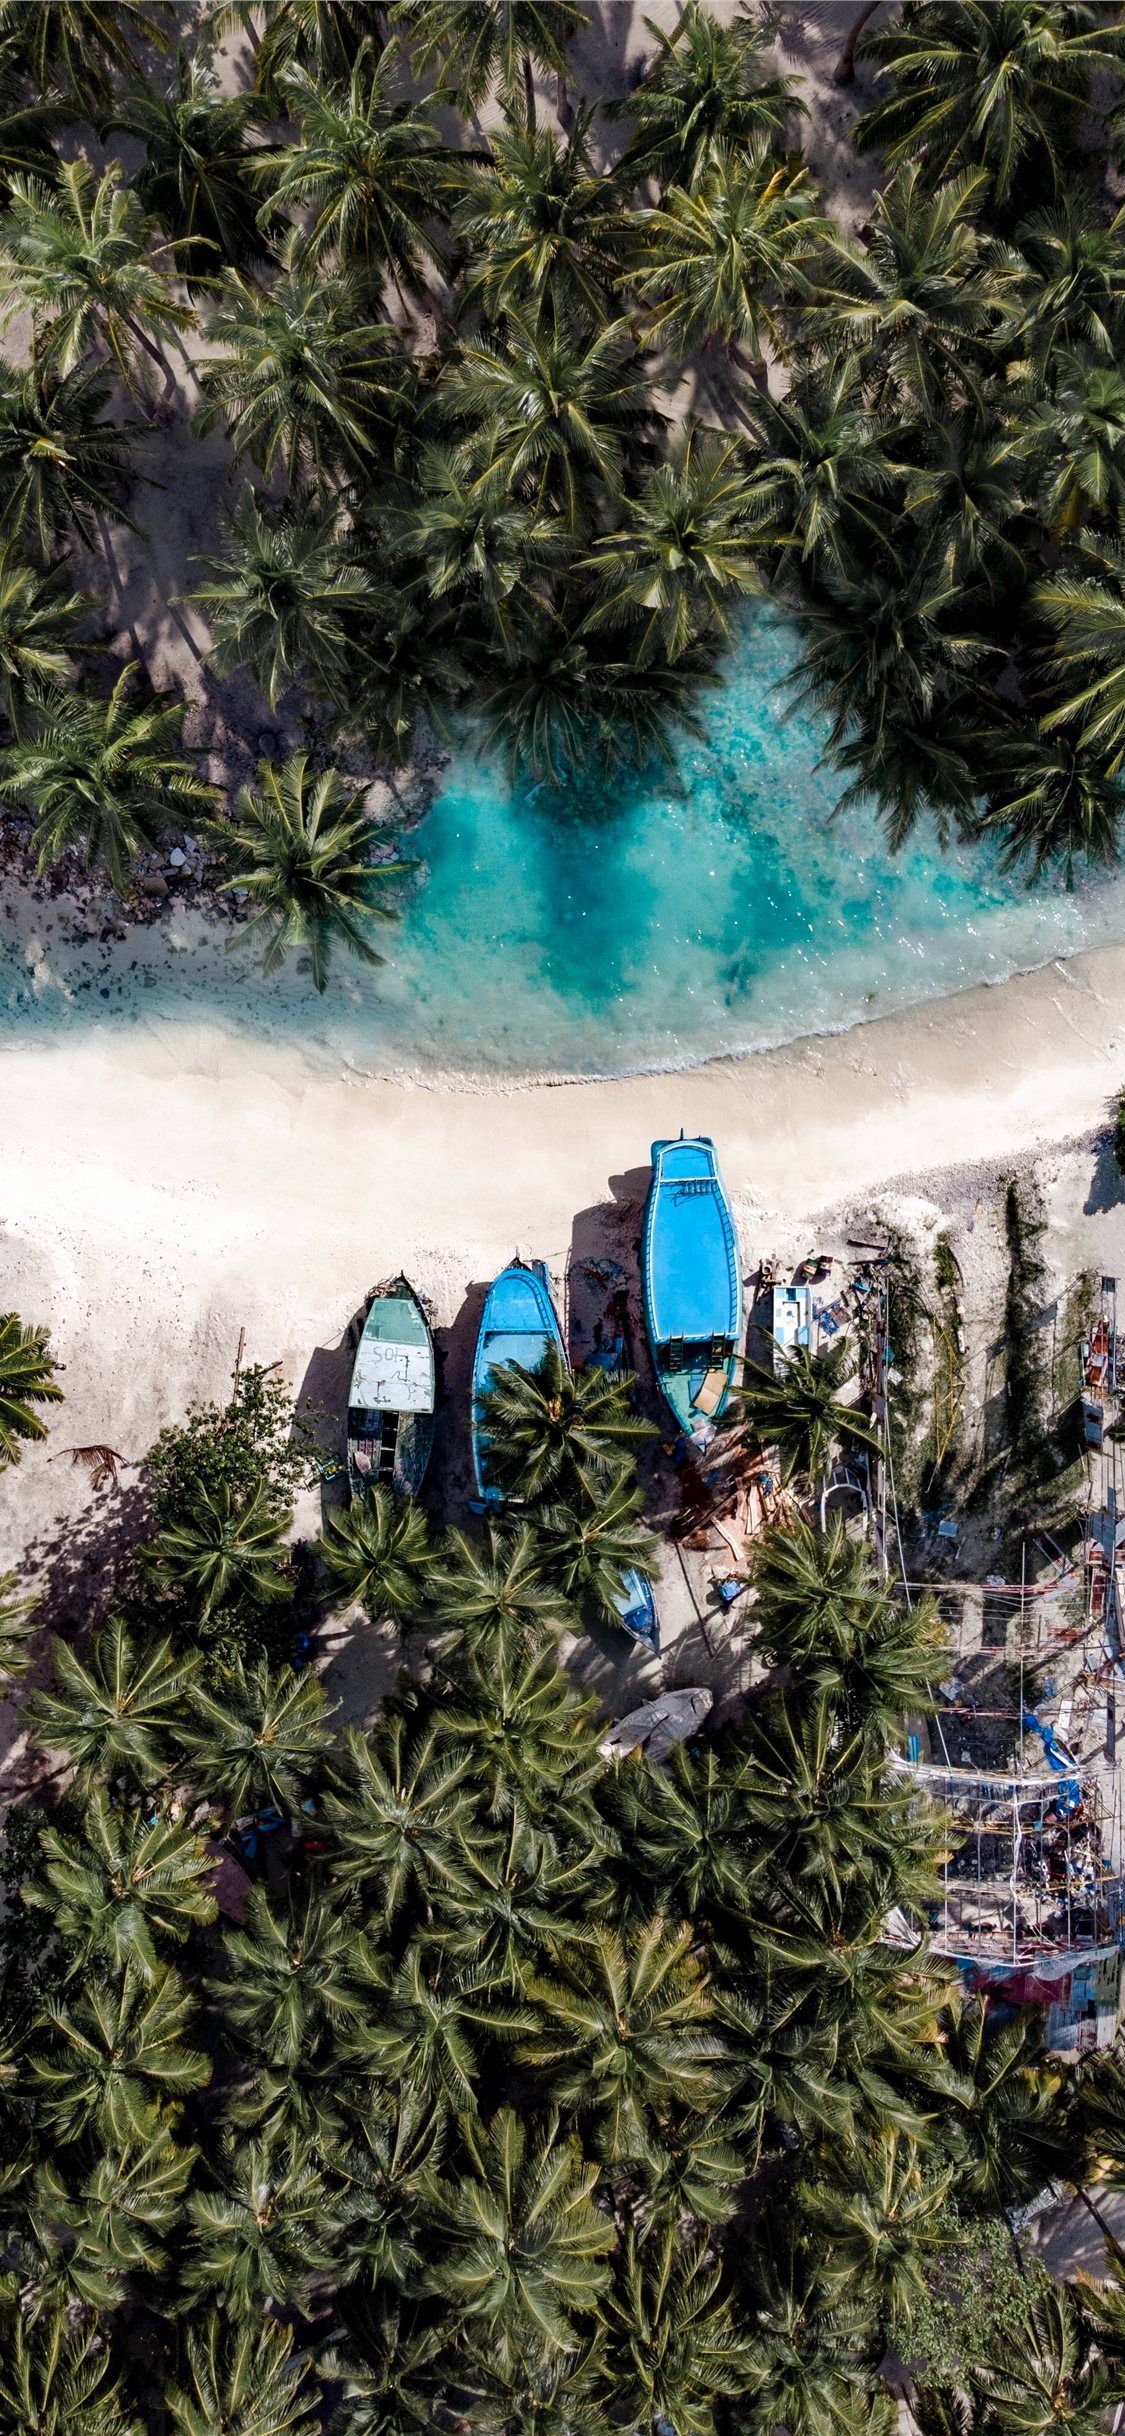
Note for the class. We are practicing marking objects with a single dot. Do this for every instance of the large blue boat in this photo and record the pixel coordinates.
(518, 1324)
(691, 1272)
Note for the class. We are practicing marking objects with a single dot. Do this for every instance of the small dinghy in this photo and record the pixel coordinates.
(655, 1728)
(691, 1272)
(636, 1608)
(518, 1324)
(392, 1395)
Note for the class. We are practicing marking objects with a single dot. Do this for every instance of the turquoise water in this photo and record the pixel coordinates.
(639, 922)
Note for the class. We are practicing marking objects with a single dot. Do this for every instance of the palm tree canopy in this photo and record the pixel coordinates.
(103, 777)
(537, 226)
(257, 1743)
(365, 177)
(76, 45)
(705, 94)
(526, 2245)
(242, 2378)
(27, 1378)
(194, 176)
(478, 49)
(996, 83)
(228, 1548)
(131, 1881)
(86, 260)
(800, 1410)
(715, 261)
(304, 843)
(286, 597)
(60, 461)
(303, 379)
(114, 1713)
(550, 1428)
(377, 1552)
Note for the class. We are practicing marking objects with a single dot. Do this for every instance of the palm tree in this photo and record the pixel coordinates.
(102, 776)
(626, 2031)
(537, 227)
(304, 844)
(820, 469)
(1000, 84)
(705, 94)
(242, 2377)
(878, 2226)
(259, 1741)
(59, 2377)
(78, 45)
(27, 1378)
(1086, 615)
(926, 296)
(110, 2228)
(556, 409)
(497, 1594)
(570, 701)
(377, 1554)
(132, 1880)
(593, 1542)
(1048, 2372)
(60, 462)
(807, 2368)
(687, 1825)
(800, 1410)
(364, 178)
(716, 262)
(16, 1614)
(395, 1811)
(525, 1735)
(295, 1979)
(1082, 427)
(970, 501)
(285, 597)
(194, 175)
(388, 2173)
(303, 381)
(226, 1549)
(465, 541)
(1052, 800)
(551, 1429)
(491, 48)
(84, 259)
(114, 1714)
(511, 1902)
(1006, 2129)
(523, 2245)
(265, 2230)
(670, 2346)
(1072, 294)
(686, 552)
(39, 611)
(115, 2052)
(820, 1611)
(431, 2026)
(29, 113)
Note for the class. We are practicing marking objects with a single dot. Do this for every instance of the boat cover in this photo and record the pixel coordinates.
(394, 1367)
(518, 1323)
(694, 1286)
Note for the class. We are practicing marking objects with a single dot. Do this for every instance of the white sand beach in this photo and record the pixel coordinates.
(165, 1186)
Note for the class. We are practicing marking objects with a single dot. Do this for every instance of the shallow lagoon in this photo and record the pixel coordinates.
(639, 922)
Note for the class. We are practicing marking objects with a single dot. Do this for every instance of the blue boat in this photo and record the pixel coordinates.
(691, 1272)
(636, 1608)
(518, 1324)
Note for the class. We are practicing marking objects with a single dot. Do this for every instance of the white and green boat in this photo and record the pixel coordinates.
(392, 1396)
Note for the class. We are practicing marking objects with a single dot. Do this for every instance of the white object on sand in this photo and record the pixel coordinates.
(654, 1728)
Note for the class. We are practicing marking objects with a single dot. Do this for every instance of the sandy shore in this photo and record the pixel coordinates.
(165, 1186)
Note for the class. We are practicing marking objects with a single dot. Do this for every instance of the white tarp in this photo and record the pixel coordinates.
(392, 1378)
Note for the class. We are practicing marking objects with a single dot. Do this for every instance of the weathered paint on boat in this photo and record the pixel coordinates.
(518, 1324)
(691, 1273)
(392, 1395)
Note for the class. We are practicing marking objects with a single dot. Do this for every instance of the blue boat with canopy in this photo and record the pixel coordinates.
(691, 1272)
(519, 1323)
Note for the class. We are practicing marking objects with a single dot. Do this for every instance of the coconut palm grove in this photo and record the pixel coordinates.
(449, 2072)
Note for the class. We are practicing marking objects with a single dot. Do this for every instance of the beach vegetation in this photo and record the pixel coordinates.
(800, 1409)
(302, 847)
(28, 1379)
(102, 773)
(517, 2081)
(443, 334)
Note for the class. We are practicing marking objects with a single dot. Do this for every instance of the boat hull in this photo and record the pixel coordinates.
(692, 1279)
(519, 1323)
(636, 1609)
(392, 1397)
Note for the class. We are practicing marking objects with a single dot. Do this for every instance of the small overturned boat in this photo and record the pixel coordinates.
(658, 1725)
(636, 1609)
(393, 1394)
(519, 1323)
(691, 1274)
